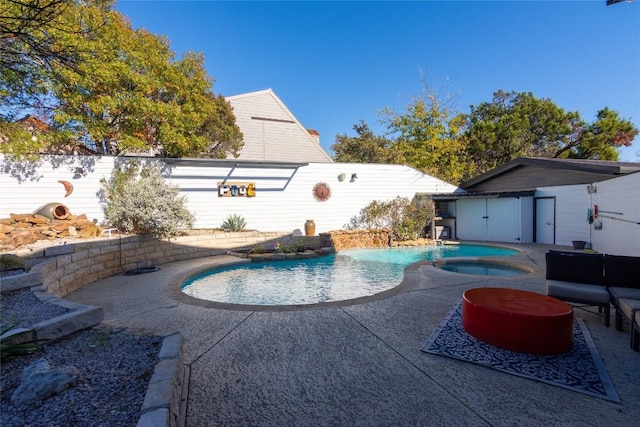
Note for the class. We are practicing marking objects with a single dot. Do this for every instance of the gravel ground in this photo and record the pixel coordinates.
(19, 308)
(114, 371)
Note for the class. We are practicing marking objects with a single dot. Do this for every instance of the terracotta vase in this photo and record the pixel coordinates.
(309, 227)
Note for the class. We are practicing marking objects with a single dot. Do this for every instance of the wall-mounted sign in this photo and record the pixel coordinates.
(236, 189)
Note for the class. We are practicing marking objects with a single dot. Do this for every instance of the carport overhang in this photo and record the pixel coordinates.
(483, 195)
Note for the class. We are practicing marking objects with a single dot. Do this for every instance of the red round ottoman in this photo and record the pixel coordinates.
(516, 320)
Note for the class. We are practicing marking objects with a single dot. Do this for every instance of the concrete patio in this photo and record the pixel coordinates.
(355, 364)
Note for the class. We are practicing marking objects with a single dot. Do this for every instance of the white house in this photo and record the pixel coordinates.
(272, 133)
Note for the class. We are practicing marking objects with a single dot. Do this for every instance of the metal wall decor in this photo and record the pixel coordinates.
(321, 191)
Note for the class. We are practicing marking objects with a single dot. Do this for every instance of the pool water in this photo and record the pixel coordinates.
(346, 275)
(482, 268)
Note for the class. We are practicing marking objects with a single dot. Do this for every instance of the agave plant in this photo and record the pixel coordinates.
(9, 348)
(234, 222)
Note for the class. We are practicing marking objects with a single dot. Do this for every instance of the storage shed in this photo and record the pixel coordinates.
(506, 205)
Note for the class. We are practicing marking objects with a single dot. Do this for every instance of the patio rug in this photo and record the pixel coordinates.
(579, 370)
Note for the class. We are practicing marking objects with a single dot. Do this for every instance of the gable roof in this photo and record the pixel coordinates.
(271, 132)
(527, 173)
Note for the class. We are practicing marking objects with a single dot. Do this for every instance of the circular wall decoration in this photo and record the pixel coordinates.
(321, 191)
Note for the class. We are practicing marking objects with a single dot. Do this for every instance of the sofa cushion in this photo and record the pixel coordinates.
(578, 292)
(629, 307)
(619, 292)
(575, 267)
(622, 271)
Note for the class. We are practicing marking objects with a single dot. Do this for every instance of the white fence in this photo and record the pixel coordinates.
(284, 197)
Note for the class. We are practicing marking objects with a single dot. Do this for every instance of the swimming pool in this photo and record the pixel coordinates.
(346, 275)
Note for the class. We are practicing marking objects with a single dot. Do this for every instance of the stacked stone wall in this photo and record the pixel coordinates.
(68, 267)
(349, 239)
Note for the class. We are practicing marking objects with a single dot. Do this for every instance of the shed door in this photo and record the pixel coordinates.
(471, 219)
(546, 220)
(495, 220)
(503, 220)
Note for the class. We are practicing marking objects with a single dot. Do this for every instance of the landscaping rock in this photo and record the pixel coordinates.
(24, 229)
(40, 381)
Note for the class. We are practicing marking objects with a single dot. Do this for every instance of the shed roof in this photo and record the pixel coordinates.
(526, 173)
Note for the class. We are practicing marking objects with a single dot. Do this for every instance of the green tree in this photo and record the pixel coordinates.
(34, 38)
(136, 96)
(514, 125)
(426, 136)
(127, 92)
(364, 148)
(600, 139)
(519, 124)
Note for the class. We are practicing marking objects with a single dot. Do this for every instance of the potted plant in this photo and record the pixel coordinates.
(578, 244)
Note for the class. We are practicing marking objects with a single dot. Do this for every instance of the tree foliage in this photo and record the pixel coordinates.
(519, 124)
(36, 38)
(429, 135)
(426, 135)
(364, 148)
(126, 90)
(139, 200)
(600, 139)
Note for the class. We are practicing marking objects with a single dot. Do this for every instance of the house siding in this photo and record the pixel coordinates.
(572, 203)
(26, 186)
(284, 199)
(620, 234)
(271, 132)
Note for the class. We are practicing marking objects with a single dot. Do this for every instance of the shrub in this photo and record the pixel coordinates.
(257, 249)
(289, 247)
(234, 222)
(406, 218)
(11, 262)
(279, 247)
(139, 200)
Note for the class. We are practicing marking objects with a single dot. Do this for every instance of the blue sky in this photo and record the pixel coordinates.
(334, 63)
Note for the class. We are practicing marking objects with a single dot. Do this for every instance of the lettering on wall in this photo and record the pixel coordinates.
(236, 189)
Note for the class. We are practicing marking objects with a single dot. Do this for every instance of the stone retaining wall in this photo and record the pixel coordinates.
(68, 267)
(349, 239)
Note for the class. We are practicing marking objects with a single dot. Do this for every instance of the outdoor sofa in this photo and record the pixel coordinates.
(597, 279)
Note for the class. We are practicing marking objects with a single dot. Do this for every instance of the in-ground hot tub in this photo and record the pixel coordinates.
(482, 267)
